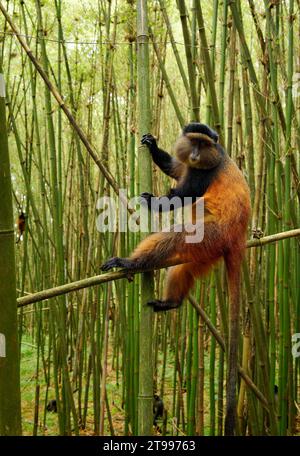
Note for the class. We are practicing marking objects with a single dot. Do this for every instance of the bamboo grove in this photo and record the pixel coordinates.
(83, 79)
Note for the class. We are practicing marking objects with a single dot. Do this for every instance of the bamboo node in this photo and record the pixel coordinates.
(257, 233)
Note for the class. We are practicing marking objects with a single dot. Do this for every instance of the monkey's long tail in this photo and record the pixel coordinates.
(233, 266)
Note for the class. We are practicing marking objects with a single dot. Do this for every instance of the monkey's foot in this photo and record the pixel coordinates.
(159, 306)
(116, 262)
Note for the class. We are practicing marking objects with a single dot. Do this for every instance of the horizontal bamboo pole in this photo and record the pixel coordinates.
(104, 278)
(273, 238)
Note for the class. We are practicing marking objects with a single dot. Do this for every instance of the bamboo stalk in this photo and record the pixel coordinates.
(145, 397)
(208, 69)
(10, 399)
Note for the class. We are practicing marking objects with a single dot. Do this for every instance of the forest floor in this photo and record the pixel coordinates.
(48, 421)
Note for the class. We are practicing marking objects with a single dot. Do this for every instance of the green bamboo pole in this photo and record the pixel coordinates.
(131, 323)
(223, 64)
(201, 363)
(258, 94)
(145, 398)
(212, 357)
(271, 192)
(248, 123)
(220, 391)
(208, 68)
(174, 47)
(214, 29)
(189, 359)
(260, 337)
(178, 346)
(167, 81)
(10, 399)
(287, 220)
(232, 70)
(242, 391)
(195, 109)
(193, 354)
(182, 366)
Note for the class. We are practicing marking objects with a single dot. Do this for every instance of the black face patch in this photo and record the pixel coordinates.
(197, 150)
(197, 180)
(196, 127)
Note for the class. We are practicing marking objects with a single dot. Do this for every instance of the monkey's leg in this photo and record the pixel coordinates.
(159, 248)
(153, 251)
(180, 280)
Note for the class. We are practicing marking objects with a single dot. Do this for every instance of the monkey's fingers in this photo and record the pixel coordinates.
(148, 140)
(111, 263)
(145, 197)
(159, 306)
(117, 262)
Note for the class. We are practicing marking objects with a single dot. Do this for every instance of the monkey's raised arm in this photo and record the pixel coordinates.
(169, 165)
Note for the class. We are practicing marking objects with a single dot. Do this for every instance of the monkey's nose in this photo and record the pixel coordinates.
(194, 155)
(193, 158)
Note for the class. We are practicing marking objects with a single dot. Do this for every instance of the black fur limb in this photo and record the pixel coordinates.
(159, 306)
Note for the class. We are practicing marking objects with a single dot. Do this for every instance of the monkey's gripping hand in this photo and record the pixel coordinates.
(170, 202)
(117, 262)
(149, 141)
(145, 198)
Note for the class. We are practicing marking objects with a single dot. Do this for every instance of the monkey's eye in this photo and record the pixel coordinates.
(201, 144)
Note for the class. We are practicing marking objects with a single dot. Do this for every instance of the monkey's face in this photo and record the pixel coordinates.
(197, 150)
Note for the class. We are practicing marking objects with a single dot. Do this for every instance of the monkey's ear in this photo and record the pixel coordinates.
(215, 136)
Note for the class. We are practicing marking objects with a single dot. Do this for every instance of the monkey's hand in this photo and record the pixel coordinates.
(159, 306)
(117, 262)
(146, 198)
(149, 141)
(111, 263)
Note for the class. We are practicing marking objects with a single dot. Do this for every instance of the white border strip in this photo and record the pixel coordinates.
(2, 86)
(2, 346)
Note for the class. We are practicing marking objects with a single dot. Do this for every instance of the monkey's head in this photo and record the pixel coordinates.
(198, 147)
